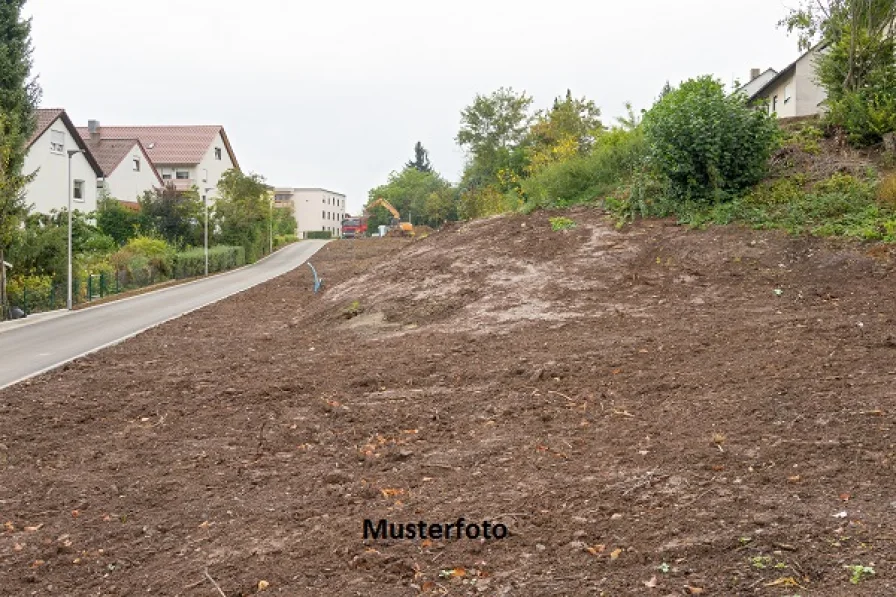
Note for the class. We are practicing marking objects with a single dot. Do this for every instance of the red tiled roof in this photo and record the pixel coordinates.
(169, 145)
(109, 153)
(44, 117)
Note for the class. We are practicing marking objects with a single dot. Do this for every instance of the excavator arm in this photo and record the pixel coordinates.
(405, 228)
(385, 204)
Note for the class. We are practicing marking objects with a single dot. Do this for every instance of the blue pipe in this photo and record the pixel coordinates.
(318, 281)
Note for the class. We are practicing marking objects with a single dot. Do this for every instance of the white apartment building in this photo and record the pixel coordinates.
(315, 209)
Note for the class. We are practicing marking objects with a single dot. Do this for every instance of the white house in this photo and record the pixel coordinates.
(48, 155)
(185, 156)
(794, 91)
(758, 80)
(127, 171)
(315, 209)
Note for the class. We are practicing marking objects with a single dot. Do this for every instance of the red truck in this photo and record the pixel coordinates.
(354, 227)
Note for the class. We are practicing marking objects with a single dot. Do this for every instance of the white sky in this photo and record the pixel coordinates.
(335, 94)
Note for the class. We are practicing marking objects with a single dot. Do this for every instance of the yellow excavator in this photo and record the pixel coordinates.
(403, 228)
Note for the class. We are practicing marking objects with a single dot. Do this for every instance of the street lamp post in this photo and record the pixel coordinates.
(205, 199)
(71, 152)
(271, 235)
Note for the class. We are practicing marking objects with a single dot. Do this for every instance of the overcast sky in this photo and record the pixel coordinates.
(335, 93)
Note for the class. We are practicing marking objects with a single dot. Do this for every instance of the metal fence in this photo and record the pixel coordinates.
(37, 298)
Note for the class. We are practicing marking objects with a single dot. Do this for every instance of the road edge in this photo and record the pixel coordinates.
(155, 325)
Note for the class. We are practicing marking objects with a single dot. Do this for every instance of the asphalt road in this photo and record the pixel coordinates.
(28, 349)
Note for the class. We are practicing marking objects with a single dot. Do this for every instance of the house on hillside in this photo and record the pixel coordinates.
(185, 156)
(315, 209)
(127, 171)
(758, 80)
(54, 146)
(793, 92)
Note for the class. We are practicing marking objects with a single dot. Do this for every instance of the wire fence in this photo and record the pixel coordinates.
(28, 297)
(35, 294)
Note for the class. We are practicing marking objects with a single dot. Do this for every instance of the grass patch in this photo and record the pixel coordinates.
(842, 205)
(558, 224)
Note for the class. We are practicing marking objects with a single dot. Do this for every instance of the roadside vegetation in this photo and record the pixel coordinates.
(700, 153)
(126, 246)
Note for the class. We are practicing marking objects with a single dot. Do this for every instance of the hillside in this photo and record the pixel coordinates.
(652, 410)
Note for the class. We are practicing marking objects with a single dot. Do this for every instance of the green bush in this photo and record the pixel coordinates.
(616, 155)
(706, 145)
(642, 197)
(284, 239)
(319, 235)
(31, 293)
(866, 115)
(115, 220)
(839, 206)
(859, 75)
(190, 263)
(99, 243)
(144, 260)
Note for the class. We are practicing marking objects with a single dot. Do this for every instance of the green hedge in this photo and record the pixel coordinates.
(281, 240)
(222, 257)
(319, 235)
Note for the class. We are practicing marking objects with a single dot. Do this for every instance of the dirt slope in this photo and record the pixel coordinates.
(653, 411)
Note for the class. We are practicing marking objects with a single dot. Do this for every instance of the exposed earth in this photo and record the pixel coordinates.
(649, 411)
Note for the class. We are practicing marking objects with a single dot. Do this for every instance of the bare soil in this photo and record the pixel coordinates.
(650, 411)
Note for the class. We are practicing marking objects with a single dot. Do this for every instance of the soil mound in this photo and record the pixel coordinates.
(651, 410)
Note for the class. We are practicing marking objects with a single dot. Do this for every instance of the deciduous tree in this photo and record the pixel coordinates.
(242, 212)
(174, 215)
(856, 64)
(566, 130)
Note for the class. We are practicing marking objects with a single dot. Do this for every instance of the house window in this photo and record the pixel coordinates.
(774, 104)
(323, 215)
(78, 190)
(204, 175)
(166, 176)
(182, 175)
(218, 153)
(57, 141)
(136, 164)
(787, 94)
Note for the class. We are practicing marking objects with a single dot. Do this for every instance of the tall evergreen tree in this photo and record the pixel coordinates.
(421, 159)
(19, 96)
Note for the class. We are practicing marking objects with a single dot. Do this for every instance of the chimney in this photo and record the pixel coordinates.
(754, 74)
(93, 127)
